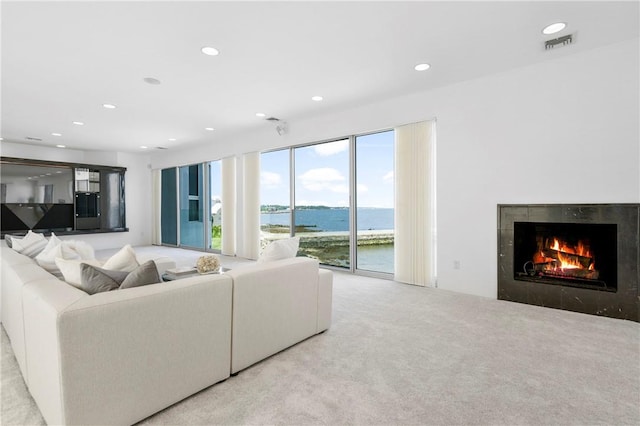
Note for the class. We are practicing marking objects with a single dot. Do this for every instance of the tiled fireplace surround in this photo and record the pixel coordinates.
(615, 294)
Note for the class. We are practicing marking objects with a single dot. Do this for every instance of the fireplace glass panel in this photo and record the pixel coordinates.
(570, 254)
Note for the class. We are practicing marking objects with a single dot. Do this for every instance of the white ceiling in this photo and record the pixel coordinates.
(62, 60)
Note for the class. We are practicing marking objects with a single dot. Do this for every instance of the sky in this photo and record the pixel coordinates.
(322, 173)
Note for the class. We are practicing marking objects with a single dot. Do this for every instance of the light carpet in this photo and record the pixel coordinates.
(398, 354)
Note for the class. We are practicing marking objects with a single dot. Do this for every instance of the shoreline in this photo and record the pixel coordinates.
(366, 237)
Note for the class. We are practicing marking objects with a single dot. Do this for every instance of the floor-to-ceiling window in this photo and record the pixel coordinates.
(321, 212)
(192, 207)
(215, 200)
(374, 163)
(322, 187)
(275, 196)
(337, 196)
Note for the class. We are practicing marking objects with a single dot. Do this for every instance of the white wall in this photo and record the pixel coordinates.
(137, 188)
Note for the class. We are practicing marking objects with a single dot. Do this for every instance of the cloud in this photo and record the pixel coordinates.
(330, 148)
(362, 188)
(388, 177)
(324, 179)
(270, 180)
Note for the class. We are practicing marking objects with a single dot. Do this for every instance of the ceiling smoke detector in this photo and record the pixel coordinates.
(558, 42)
(281, 126)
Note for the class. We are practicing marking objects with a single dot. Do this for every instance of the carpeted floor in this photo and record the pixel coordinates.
(399, 354)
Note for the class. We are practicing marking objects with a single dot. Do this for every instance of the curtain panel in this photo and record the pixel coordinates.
(251, 205)
(414, 248)
(228, 172)
(156, 200)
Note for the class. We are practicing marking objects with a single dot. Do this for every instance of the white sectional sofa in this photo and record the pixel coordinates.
(121, 356)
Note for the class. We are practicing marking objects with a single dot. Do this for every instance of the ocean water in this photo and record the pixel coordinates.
(332, 220)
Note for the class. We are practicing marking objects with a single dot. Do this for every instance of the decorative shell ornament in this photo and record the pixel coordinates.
(207, 264)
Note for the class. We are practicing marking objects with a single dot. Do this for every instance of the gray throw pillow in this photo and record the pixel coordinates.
(97, 280)
(145, 274)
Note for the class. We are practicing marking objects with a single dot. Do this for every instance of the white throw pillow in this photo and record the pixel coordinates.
(82, 248)
(70, 269)
(68, 250)
(31, 245)
(123, 260)
(47, 257)
(280, 249)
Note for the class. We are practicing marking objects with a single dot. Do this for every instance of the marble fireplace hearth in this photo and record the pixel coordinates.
(579, 257)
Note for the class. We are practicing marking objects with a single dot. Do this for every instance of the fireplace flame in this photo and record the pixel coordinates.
(562, 258)
(567, 262)
(580, 249)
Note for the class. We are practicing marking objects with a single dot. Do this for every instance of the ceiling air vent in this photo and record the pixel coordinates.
(29, 138)
(558, 42)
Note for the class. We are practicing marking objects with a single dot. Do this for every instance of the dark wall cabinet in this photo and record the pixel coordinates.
(61, 197)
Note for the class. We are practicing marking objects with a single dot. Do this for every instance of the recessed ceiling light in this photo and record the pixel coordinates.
(172, 140)
(422, 67)
(56, 134)
(317, 98)
(151, 80)
(554, 28)
(61, 146)
(211, 51)
(260, 114)
(143, 147)
(1, 139)
(109, 106)
(211, 129)
(58, 172)
(29, 177)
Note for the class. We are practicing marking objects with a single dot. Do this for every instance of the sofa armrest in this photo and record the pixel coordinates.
(325, 299)
(274, 307)
(124, 355)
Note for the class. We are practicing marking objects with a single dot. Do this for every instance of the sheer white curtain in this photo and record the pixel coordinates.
(228, 172)
(250, 205)
(414, 204)
(156, 208)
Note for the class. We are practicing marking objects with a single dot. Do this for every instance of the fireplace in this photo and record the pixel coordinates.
(582, 258)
